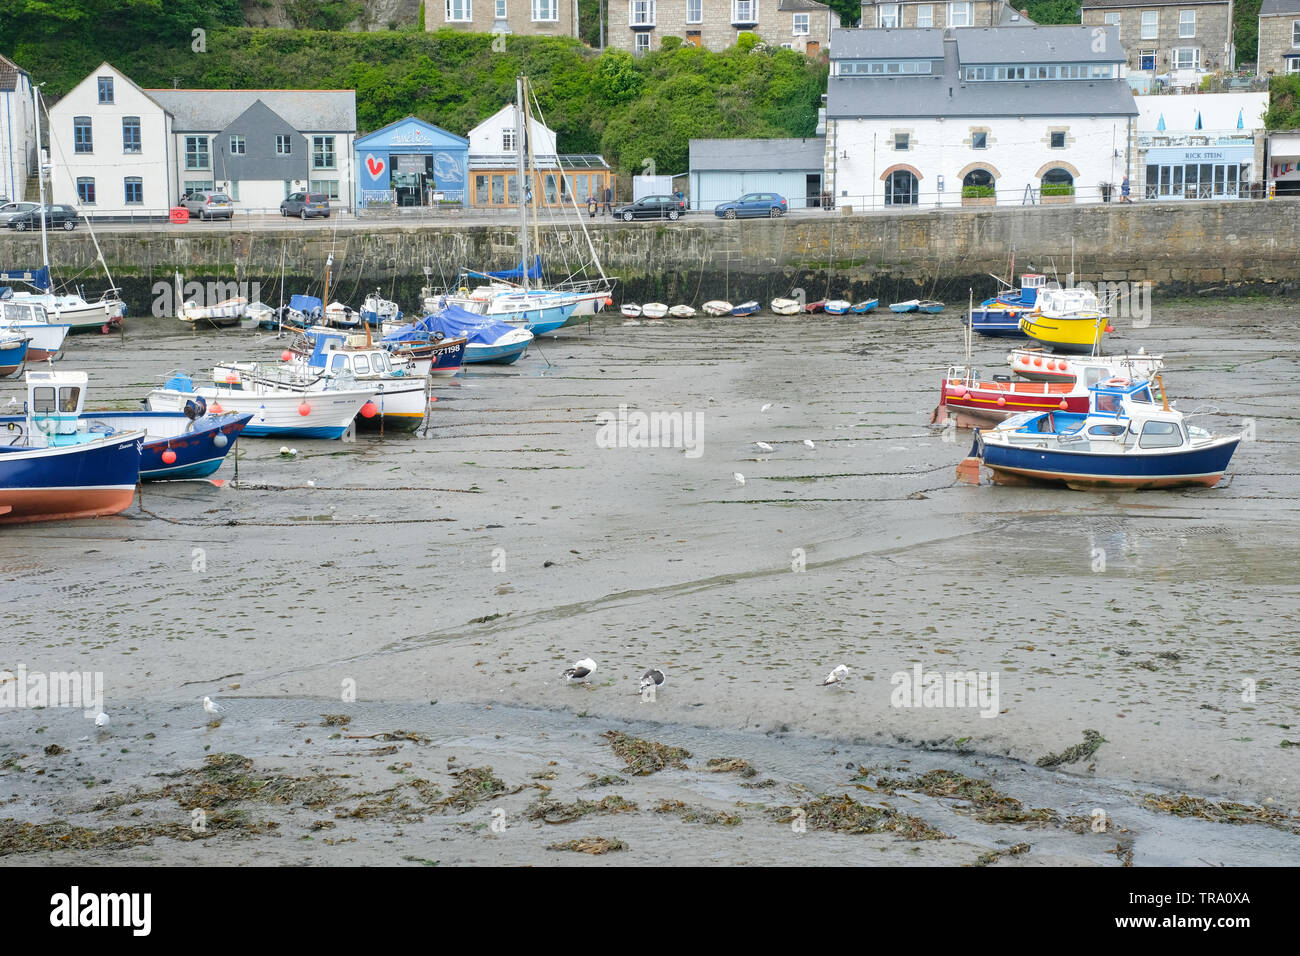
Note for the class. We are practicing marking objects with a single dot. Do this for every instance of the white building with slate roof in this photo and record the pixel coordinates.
(261, 145)
(934, 118)
(725, 169)
(17, 131)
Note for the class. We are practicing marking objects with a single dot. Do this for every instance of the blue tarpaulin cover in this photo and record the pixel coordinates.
(514, 275)
(304, 303)
(40, 278)
(453, 322)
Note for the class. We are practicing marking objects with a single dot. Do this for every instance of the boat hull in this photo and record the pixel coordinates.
(997, 323)
(275, 413)
(495, 354)
(975, 404)
(13, 356)
(862, 308)
(75, 481)
(1091, 471)
(1073, 336)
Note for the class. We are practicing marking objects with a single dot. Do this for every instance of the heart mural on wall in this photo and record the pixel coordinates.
(376, 166)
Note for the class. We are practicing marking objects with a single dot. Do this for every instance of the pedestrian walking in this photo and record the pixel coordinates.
(609, 195)
(1124, 191)
(592, 206)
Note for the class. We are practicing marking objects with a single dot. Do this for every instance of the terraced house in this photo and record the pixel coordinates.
(1164, 37)
(546, 18)
(1279, 37)
(924, 16)
(641, 25)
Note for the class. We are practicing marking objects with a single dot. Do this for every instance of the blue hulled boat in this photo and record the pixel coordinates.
(13, 352)
(487, 340)
(745, 308)
(1126, 440)
(180, 444)
(865, 306)
(1000, 316)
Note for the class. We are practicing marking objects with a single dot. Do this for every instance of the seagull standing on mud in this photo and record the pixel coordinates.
(763, 446)
(211, 706)
(738, 477)
(580, 672)
(654, 677)
(101, 719)
(836, 676)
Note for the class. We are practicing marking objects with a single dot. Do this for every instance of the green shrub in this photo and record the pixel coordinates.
(1058, 189)
(978, 192)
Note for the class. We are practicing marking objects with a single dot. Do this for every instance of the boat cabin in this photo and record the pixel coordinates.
(1030, 285)
(1128, 414)
(1069, 303)
(54, 403)
(334, 355)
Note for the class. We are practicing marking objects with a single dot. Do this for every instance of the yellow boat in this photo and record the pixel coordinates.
(1067, 320)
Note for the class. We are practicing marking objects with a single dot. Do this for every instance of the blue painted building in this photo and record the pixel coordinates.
(411, 163)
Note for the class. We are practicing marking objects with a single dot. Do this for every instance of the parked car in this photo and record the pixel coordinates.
(306, 205)
(11, 209)
(208, 204)
(55, 215)
(652, 207)
(753, 204)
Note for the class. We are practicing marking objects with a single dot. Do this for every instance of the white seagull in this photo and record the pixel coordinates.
(580, 671)
(836, 676)
(763, 446)
(740, 479)
(211, 706)
(766, 407)
(101, 719)
(654, 677)
(808, 442)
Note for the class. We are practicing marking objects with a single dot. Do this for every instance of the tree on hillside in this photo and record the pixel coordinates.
(1054, 11)
(1283, 103)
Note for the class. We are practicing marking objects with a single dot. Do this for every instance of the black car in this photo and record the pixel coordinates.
(56, 215)
(652, 207)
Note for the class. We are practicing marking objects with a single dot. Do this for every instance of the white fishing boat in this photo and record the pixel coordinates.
(837, 306)
(654, 310)
(1040, 366)
(786, 307)
(682, 312)
(278, 409)
(717, 307)
(222, 314)
(29, 319)
(630, 310)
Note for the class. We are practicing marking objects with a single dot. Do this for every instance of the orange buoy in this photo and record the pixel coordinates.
(1063, 405)
(368, 410)
(304, 409)
(1110, 328)
(215, 408)
(286, 355)
(1002, 399)
(1038, 362)
(169, 457)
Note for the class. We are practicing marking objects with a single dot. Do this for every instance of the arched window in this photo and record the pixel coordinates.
(978, 177)
(901, 189)
(1058, 182)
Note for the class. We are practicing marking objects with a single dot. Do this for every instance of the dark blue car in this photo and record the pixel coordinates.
(753, 204)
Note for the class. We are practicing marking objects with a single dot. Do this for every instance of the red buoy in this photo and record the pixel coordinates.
(1063, 406)
(1038, 362)
(286, 355)
(368, 410)
(1110, 328)
(1002, 399)
(169, 457)
(304, 409)
(215, 408)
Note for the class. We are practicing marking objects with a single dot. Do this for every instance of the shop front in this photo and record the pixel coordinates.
(1284, 163)
(1206, 172)
(495, 184)
(412, 163)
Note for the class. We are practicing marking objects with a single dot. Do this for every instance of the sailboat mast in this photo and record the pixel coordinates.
(40, 180)
(523, 191)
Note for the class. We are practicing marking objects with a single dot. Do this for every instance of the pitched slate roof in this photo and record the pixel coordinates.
(1112, 4)
(758, 154)
(857, 44)
(798, 5)
(306, 110)
(1036, 44)
(1273, 8)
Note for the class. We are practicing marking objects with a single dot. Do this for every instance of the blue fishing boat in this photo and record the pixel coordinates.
(745, 308)
(866, 305)
(1127, 440)
(487, 340)
(13, 352)
(999, 317)
(909, 306)
(837, 307)
(181, 444)
(929, 306)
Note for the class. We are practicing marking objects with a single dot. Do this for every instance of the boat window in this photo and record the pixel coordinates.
(1107, 431)
(1094, 375)
(380, 361)
(1106, 402)
(339, 362)
(43, 400)
(360, 364)
(1142, 395)
(1161, 435)
(71, 396)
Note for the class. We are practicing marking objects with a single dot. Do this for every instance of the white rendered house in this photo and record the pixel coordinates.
(17, 131)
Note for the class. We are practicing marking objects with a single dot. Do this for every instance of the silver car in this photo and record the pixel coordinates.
(209, 204)
(11, 209)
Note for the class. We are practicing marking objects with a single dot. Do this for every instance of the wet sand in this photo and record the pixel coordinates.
(380, 577)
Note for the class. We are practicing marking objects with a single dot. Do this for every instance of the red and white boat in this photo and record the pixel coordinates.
(1040, 366)
(971, 403)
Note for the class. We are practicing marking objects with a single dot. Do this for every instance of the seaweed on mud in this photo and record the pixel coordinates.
(229, 778)
(644, 757)
(474, 785)
(994, 855)
(1082, 751)
(336, 720)
(552, 811)
(731, 765)
(609, 780)
(843, 814)
(698, 814)
(593, 845)
(989, 804)
(1202, 809)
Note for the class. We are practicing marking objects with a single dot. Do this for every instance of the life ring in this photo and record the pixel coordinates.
(1117, 381)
